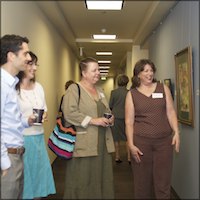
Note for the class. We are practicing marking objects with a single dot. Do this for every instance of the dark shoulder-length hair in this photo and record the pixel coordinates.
(122, 80)
(68, 83)
(21, 74)
(139, 67)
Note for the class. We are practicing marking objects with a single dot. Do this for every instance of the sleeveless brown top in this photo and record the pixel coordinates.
(150, 114)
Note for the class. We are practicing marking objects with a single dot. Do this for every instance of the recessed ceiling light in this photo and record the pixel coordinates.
(104, 71)
(103, 53)
(103, 74)
(104, 5)
(103, 78)
(104, 67)
(104, 37)
(104, 61)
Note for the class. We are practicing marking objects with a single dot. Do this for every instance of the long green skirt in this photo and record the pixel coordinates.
(91, 177)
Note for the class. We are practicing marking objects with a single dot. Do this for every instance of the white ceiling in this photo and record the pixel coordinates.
(132, 25)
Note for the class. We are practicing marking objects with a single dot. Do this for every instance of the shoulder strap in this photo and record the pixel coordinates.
(60, 110)
(79, 92)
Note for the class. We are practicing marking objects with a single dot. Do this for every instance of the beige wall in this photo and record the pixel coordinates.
(107, 86)
(57, 63)
(129, 68)
(131, 58)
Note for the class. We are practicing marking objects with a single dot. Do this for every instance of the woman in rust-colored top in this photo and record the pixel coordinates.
(152, 131)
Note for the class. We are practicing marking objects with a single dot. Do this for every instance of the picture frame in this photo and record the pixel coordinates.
(184, 86)
(168, 82)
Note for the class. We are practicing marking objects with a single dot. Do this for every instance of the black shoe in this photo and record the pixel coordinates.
(129, 162)
(118, 161)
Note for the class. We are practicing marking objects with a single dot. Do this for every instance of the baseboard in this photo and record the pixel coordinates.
(174, 194)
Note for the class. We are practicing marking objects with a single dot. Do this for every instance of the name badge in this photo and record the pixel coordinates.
(101, 95)
(157, 95)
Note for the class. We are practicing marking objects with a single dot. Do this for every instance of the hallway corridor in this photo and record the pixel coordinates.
(123, 182)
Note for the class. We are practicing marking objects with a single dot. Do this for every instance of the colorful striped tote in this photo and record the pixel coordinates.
(62, 140)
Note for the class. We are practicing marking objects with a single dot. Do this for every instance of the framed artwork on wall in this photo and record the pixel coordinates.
(184, 86)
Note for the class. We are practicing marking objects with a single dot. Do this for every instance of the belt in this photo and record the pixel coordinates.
(19, 151)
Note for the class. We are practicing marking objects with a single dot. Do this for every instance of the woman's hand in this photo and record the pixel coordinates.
(111, 120)
(136, 153)
(4, 172)
(31, 119)
(44, 117)
(101, 121)
(176, 142)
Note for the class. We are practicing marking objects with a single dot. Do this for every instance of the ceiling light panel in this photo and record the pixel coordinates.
(103, 53)
(104, 5)
(103, 78)
(104, 37)
(104, 67)
(104, 61)
(106, 75)
(104, 71)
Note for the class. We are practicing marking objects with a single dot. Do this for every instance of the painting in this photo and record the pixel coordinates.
(184, 86)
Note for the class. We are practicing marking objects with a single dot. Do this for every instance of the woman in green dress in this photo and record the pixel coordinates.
(89, 174)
